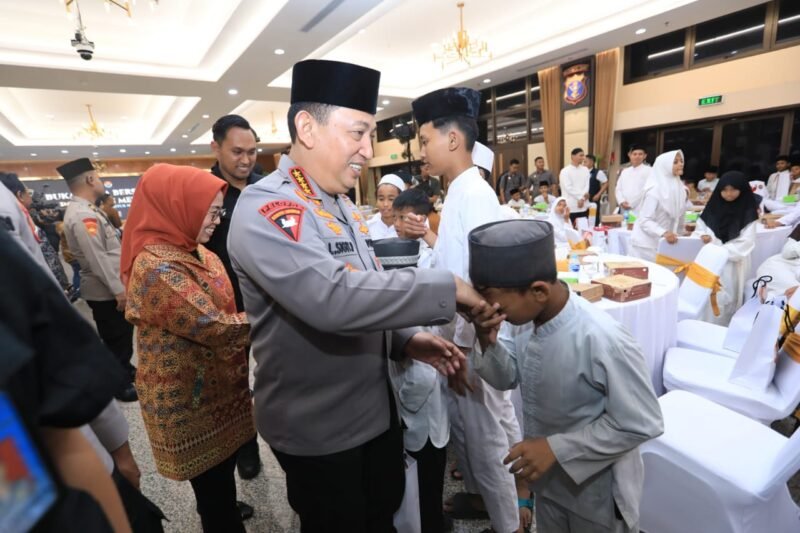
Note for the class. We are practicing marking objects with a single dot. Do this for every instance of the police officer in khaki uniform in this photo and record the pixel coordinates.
(95, 244)
(325, 316)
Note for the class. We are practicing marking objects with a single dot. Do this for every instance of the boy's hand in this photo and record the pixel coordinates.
(487, 319)
(531, 457)
(415, 226)
(706, 239)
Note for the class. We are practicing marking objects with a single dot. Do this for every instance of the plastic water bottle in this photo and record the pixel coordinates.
(574, 263)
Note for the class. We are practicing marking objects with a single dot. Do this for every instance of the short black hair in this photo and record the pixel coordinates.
(467, 126)
(320, 113)
(538, 157)
(636, 146)
(782, 157)
(576, 151)
(416, 199)
(513, 162)
(712, 168)
(12, 182)
(514, 191)
(544, 183)
(592, 157)
(223, 125)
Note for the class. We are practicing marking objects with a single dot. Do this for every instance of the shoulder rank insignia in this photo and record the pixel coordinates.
(322, 213)
(299, 179)
(285, 215)
(306, 198)
(363, 228)
(91, 226)
(334, 227)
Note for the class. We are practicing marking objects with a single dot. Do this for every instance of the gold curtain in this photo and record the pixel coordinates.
(550, 83)
(605, 85)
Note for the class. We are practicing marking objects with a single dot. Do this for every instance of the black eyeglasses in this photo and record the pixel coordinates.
(217, 214)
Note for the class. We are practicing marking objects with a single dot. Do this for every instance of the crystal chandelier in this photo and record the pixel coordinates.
(126, 6)
(460, 47)
(93, 130)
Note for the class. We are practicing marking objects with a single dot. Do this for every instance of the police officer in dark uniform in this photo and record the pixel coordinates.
(234, 145)
(325, 316)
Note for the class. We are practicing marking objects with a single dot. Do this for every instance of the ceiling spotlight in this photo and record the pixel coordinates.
(173, 149)
(122, 150)
(193, 151)
(379, 108)
(147, 152)
(641, 31)
(34, 154)
(260, 150)
(279, 51)
(64, 151)
(95, 153)
(206, 116)
(233, 92)
(487, 80)
(385, 102)
(185, 136)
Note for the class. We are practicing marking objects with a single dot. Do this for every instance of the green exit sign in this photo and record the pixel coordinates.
(393, 156)
(709, 100)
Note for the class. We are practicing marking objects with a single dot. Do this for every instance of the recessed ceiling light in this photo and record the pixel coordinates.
(122, 150)
(147, 152)
(173, 149)
(279, 51)
(487, 80)
(33, 154)
(193, 151)
(185, 136)
(385, 102)
(233, 92)
(260, 150)
(64, 151)
(94, 153)
(641, 31)
(206, 116)
(379, 108)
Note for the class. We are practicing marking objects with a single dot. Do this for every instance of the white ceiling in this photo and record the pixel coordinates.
(154, 76)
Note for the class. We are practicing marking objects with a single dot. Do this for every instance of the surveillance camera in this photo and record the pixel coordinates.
(83, 46)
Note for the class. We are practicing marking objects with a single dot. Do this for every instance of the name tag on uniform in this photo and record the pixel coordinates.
(26, 489)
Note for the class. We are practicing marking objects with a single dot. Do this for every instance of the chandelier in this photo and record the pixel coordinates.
(93, 130)
(126, 6)
(460, 47)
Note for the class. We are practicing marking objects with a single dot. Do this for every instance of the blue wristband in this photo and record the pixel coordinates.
(525, 502)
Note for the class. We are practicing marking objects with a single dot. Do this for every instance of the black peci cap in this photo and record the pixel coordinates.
(453, 101)
(73, 169)
(336, 83)
(512, 253)
(397, 253)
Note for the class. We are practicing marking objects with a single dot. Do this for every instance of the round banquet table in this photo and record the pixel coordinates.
(619, 241)
(653, 321)
(769, 242)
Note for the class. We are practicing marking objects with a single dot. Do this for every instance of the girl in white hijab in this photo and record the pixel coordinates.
(663, 207)
(558, 217)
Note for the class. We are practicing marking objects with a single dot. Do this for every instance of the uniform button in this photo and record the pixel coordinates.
(442, 304)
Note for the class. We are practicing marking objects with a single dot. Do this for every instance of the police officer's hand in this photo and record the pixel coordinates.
(121, 301)
(466, 297)
(443, 355)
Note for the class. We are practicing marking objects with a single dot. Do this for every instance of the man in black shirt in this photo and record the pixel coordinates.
(234, 145)
(429, 185)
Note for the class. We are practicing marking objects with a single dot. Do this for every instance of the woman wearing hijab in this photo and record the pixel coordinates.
(663, 207)
(558, 217)
(193, 376)
(730, 220)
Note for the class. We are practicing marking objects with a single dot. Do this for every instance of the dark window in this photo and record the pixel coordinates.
(696, 146)
(730, 35)
(751, 146)
(537, 128)
(510, 96)
(647, 138)
(483, 129)
(788, 20)
(384, 127)
(659, 54)
(486, 102)
(511, 128)
(794, 149)
(536, 93)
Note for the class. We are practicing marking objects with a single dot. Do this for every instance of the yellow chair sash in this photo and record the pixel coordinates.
(791, 346)
(706, 278)
(790, 321)
(677, 265)
(580, 245)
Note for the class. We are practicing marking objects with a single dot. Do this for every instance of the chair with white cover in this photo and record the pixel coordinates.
(583, 224)
(716, 471)
(704, 337)
(707, 375)
(680, 254)
(692, 297)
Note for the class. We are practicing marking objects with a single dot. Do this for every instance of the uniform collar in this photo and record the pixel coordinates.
(558, 322)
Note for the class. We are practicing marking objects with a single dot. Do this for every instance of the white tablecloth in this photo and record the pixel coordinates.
(768, 243)
(653, 321)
